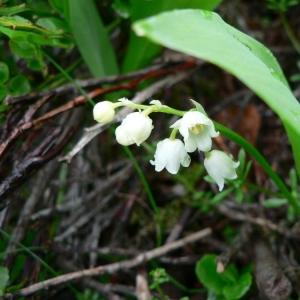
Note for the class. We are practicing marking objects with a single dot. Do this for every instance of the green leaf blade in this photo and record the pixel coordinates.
(141, 51)
(207, 274)
(239, 288)
(91, 38)
(19, 85)
(4, 72)
(205, 35)
(4, 277)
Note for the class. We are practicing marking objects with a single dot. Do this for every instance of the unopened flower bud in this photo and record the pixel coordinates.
(104, 112)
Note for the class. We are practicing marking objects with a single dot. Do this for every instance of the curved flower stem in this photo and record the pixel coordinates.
(173, 134)
(263, 163)
(169, 110)
(37, 258)
(154, 108)
(149, 194)
(79, 88)
(160, 291)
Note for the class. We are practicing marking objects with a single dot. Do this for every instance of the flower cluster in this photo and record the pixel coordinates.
(195, 127)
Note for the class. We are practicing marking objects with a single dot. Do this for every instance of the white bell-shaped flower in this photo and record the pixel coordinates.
(135, 129)
(104, 112)
(220, 166)
(170, 154)
(197, 130)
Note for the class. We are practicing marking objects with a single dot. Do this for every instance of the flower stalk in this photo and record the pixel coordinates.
(197, 130)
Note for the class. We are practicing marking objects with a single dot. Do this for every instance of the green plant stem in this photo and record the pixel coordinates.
(262, 190)
(2, 254)
(80, 89)
(51, 83)
(44, 264)
(149, 194)
(289, 31)
(162, 294)
(263, 163)
(153, 108)
(183, 288)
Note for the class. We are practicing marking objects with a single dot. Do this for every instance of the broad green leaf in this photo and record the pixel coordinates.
(91, 38)
(4, 72)
(21, 36)
(21, 30)
(4, 108)
(205, 35)
(53, 24)
(207, 274)
(140, 51)
(210, 4)
(23, 49)
(4, 276)
(19, 85)
(58, 5)
(122, 8)
(28, 51)
(15, 23)
(3, 91)
(7, 11)
(230, 284)
(238, 289)
(230, 275)
(36, 64)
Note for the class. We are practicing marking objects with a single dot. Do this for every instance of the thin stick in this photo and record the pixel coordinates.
(70, 88)
(111, 268)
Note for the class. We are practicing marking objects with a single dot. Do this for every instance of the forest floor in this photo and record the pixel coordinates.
(74, 206)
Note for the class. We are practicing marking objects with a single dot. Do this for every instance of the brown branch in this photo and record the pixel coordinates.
(101, 91)
(80, 100)
(233, 214)
(30, 164)
(111, 268)
(142, 75)
(19, 128)
(178, 227)
(104, 288)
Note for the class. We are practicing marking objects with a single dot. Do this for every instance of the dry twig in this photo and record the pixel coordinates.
(246, 217)
(111, 268)
(155, 70)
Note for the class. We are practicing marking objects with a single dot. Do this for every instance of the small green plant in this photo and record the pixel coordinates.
(229, 285)
(281, 5)
(160, 276)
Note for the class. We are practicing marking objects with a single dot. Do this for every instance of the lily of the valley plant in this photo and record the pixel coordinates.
(195, 127)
